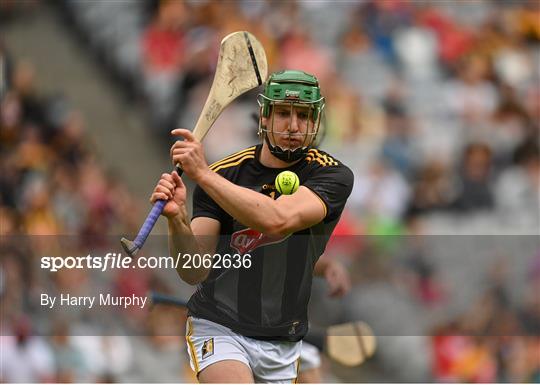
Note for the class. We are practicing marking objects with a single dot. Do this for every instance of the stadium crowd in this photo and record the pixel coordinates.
(434, 105)
(53, 189)
(494, 340)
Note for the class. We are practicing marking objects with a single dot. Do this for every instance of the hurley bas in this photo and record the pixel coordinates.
(89, 301)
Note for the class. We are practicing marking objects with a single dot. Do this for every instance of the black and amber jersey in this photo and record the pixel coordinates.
(269, 299)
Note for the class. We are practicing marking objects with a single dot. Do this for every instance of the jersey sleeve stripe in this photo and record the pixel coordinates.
(232, 157)
(322, 159)
(234, 163)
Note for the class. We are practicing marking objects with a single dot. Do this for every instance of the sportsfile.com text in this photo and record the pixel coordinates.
(119, 261)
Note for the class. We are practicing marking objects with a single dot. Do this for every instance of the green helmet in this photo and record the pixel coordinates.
(292, 85)
(297, 88)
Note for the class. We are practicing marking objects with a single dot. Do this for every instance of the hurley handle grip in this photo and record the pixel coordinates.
(132, 247)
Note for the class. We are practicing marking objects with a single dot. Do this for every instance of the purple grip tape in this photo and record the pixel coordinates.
(132, 247)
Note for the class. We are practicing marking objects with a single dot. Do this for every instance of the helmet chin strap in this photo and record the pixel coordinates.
(286, 155)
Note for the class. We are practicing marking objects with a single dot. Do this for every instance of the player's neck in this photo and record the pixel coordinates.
(267, 159)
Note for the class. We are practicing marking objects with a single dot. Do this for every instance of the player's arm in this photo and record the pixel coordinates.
(288, 214)
(200, 237)
(335, 274)
(196, 237)
(320, 267)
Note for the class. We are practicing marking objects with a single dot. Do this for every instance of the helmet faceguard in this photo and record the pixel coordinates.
(290, 98)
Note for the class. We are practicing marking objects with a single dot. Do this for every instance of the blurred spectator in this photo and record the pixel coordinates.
(417, 50)
(475, 184)
(475, 364)
(530, 313)
(518, 188)
(69, 361)
(356, 52)
(379, 193)
(101, 358)
(299, 51)
(10, 115)
(345, 240)
(39, 218)
(68, 205)
(454, 41)
(398, 147)
(472, 98)
(382, 20)
(161, 355)
(5, 69)
(164, 48)
(526, 18)
(25, 358)
(351, 122)
(70, 143)
(508, 127)
(164, 39)
(24, 86)
(419, 272)
(434, 189)
(513, 64)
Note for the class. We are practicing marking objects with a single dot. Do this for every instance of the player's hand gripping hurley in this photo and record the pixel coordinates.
(241, 67)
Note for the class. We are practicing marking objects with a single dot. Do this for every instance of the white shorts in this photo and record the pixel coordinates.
(310, 357)
(269, 361)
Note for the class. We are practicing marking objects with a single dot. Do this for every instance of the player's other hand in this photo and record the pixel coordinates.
(338, 279)
(189, 154)
(172, 189)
